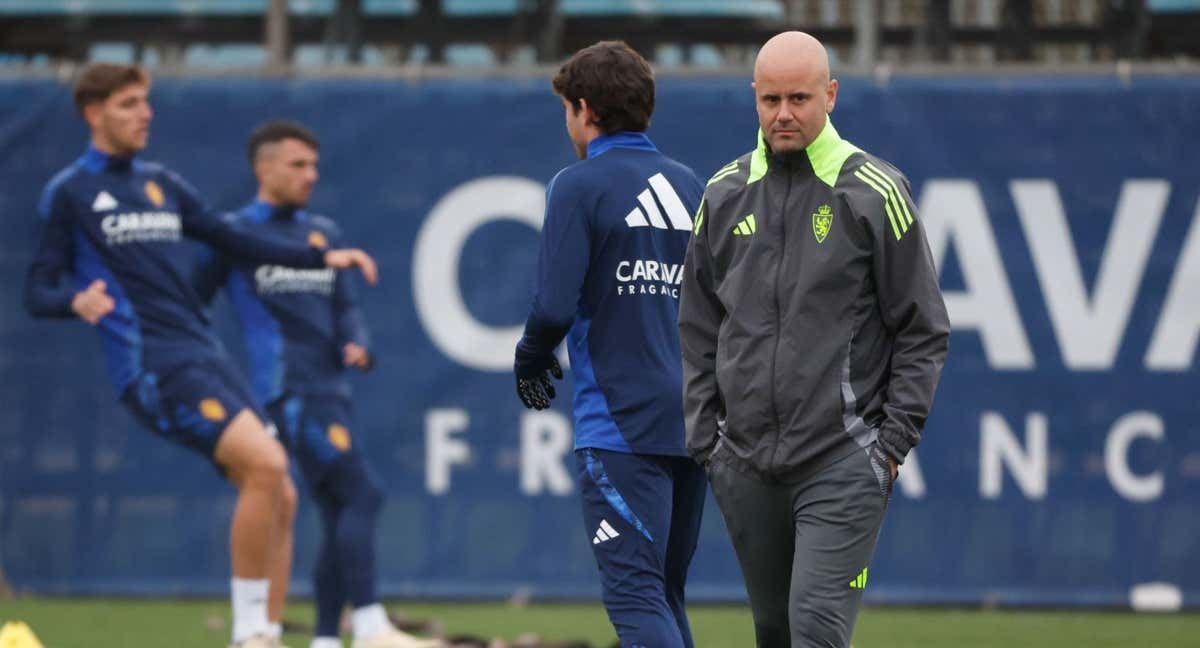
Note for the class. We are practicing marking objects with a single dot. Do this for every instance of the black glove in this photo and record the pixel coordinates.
(533, 384)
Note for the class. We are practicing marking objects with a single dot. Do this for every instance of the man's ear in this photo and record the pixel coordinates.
(589, 116)
(260, 169)
(262, 159)
(92, 113)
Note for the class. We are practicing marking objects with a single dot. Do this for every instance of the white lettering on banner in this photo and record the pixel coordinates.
(1116, 456)
(546, 439)
(546, 447)
(910, 478)
(1173, 345)
(954, 214)
(439, 246)
(1088, 325)
(999, 447)
(1089, 330)
(442, 450)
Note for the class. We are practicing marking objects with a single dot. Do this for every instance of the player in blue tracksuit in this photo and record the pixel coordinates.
(111, 252)
(303, 329)
(612, 250)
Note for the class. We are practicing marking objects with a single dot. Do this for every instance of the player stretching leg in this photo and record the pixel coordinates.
(110, 253)
(303, 329)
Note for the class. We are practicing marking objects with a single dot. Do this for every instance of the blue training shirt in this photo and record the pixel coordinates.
(612, 249)
(124, 221)
(295, 321)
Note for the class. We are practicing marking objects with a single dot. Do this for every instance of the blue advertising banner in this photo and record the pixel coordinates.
(1061, 464)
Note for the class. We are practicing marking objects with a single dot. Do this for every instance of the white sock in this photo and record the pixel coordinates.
(370, 620)
(325, 642)
(275, 630)
(249, 598)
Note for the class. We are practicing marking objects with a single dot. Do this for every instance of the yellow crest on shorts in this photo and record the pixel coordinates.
(155, 193)
(317, 239)
(339, 436)
(212, 410)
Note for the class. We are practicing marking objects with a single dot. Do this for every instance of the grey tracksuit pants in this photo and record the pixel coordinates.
(804, 547)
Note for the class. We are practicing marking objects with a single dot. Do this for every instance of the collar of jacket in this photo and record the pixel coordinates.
(96, 161)
(261, 211)
(619, 139)
(826, 154)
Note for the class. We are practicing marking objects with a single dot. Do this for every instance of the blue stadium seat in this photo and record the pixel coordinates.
(158, 7)
(1173, 6)
(733, 8)
(739, 8)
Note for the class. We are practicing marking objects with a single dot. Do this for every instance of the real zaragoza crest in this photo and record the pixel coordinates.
(155, 193)
(339, 436)
(822, 219)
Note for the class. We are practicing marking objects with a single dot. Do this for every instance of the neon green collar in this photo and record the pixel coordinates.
(827, 154)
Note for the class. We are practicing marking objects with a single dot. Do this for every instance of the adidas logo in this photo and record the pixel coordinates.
(604, 533)
(104, 202)
(649, 215)
(860, 582)
(746, 227)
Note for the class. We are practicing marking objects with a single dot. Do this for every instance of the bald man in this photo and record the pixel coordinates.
(813, 333)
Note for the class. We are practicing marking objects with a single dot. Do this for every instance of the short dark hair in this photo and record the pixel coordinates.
(616, 82)
(276, 131)
(98, 81)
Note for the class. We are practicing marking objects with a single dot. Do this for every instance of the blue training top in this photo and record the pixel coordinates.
(612, 249)
(125, 221)
(295, 321)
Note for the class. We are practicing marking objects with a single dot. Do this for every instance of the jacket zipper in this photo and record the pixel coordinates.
(779, 317)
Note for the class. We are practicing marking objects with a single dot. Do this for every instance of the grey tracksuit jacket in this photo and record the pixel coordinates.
(810, 318)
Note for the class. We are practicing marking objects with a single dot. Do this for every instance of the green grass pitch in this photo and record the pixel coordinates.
(133, 623)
